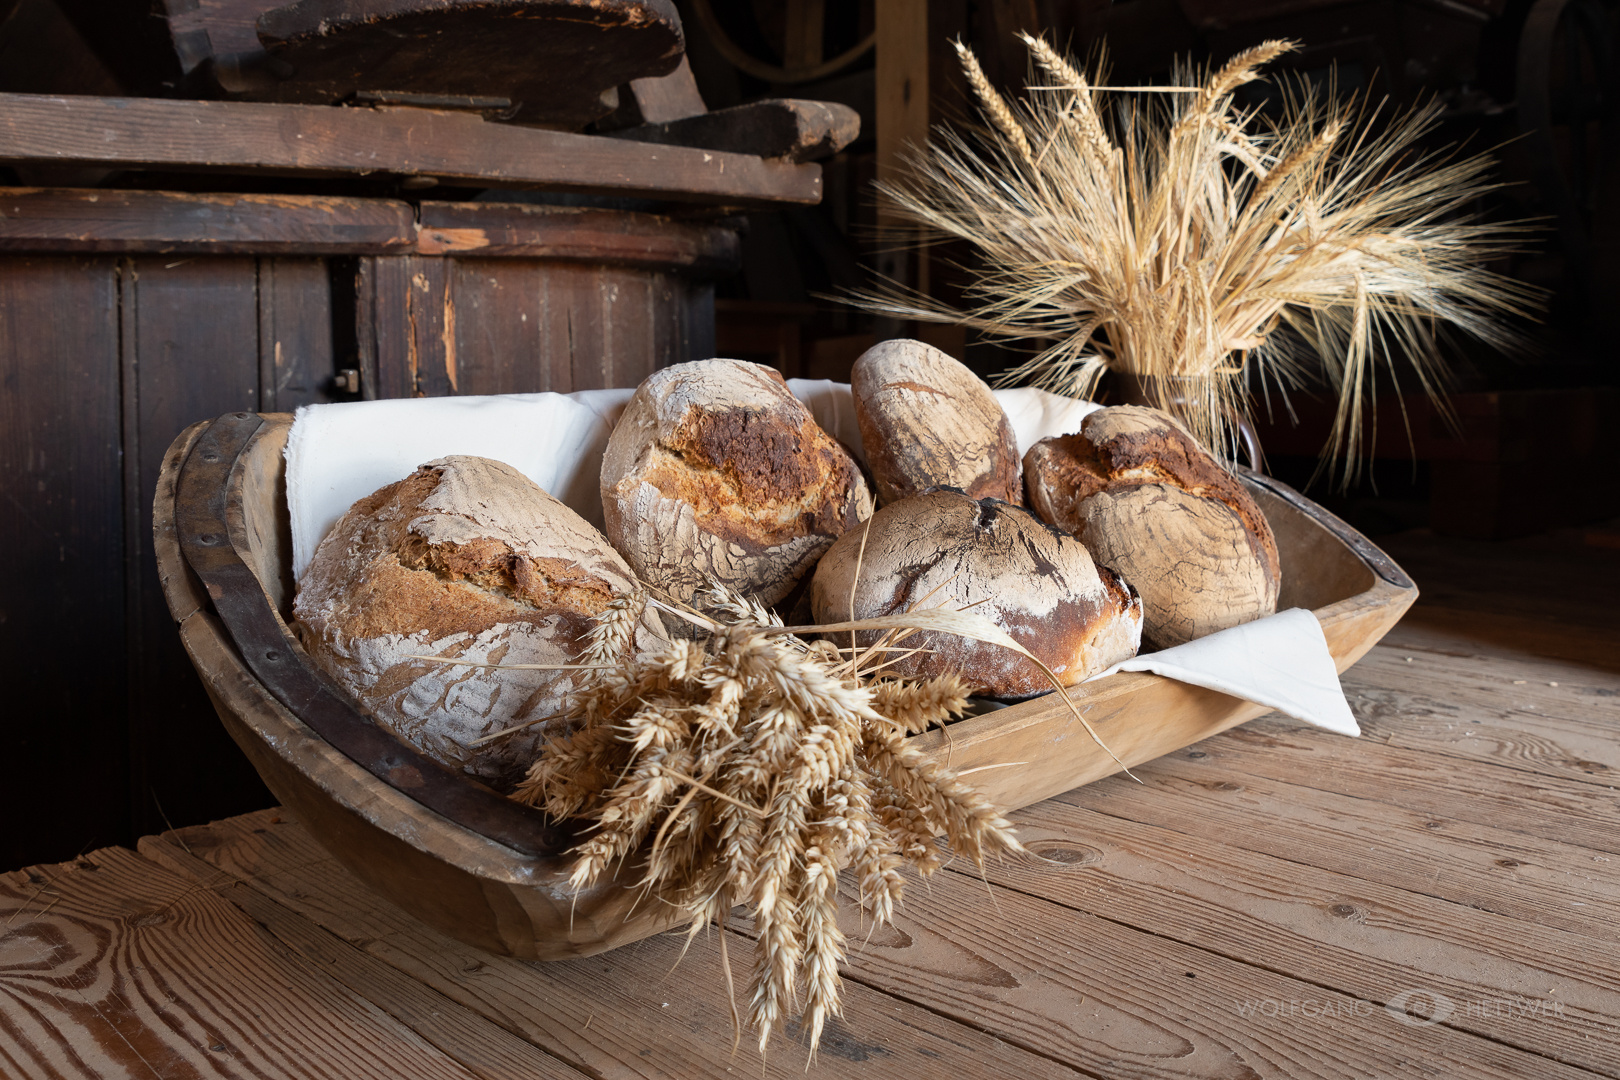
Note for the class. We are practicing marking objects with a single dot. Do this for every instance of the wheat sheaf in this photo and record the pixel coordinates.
(747, 765)
(1216, 254)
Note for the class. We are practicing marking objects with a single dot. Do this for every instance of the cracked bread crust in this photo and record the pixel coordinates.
(1151, 503)
(716, 468)
(928, 421)
(1036, 582)
(467, 559)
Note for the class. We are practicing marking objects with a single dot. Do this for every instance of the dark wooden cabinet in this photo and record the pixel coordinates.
(125, 316)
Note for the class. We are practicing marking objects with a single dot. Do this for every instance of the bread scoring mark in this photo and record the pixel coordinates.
(1135, 444)
(914, 387)
(757, 483)
(464, 559)
(1039, 584)
(1211, 583)
(758, 450)
(716, 468)
(927, 421)
(545, 584)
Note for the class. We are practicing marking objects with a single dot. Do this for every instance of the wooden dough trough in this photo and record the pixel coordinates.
(492, 873)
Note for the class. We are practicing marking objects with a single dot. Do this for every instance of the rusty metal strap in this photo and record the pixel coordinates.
(215, 546)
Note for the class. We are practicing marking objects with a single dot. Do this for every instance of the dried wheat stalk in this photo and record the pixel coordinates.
(1169, 235)
(750, 766)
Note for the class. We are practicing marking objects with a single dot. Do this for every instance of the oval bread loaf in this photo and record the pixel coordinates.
(928, 421)
(467, 559)
(1148, 501)
(1035, 582)
(716, 469)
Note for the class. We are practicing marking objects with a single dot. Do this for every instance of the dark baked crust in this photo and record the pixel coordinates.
(1063, 471)
(1036, 582)
(517, 578)
(928, 421)
(1150, 502)
(716, 468)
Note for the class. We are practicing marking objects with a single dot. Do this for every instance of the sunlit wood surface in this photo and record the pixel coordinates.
(1261, 904)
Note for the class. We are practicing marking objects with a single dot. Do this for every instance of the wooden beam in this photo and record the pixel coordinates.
(902, 83)
(776, 128)
(86, 220)
(902, 114)
(668, 97)
(802, 38)
(164, 222)
(315, 140)
(610, 237)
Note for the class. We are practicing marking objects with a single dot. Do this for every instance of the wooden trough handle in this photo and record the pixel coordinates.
(209, 521)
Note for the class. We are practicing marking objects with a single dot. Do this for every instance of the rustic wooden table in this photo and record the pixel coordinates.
(1439, 898)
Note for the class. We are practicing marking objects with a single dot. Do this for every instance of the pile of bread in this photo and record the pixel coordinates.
(1081, 549)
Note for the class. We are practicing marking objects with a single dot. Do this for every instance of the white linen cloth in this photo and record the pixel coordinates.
(338, 454)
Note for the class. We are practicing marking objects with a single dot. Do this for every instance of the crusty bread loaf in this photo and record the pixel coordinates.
(927, 421)
(1035, 582)
(716, 468)
(1148, 501)
(467, 559)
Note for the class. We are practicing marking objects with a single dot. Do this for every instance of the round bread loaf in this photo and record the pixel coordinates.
(1035, 582)
(927, 421)
(467, 559)
(716, 469)
(1148, 501)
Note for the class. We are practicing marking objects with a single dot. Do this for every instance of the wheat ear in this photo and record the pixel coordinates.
(1299, 159)
(1070, 78)
(994, 105)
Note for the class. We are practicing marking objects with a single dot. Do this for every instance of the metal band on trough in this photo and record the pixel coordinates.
(208, 518)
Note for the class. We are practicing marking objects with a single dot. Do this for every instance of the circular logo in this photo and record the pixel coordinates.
(1420, 1008)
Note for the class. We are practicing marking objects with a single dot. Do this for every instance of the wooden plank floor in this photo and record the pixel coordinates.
(1440, 898)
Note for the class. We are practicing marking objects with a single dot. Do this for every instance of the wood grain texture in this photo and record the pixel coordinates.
(184, 593)
(571, 234)
(472, 324)
(1545, 807)
(1454, 856)
(557, 61)
(662, 98)
(100, 220)
(629, 1013)
(190, 333)
(112, 966)
(1552, 993)
(485, 1049)
(1553, 719)
(1120, 1003)
(296, 362)
(1546, 597)
(308, 140)
(1525, 635)
(382, 328)
(902, 115)
(500, 336)
(776, 128)
(63, 536)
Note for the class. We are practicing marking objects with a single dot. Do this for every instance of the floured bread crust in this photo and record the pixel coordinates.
(1151, 503)
(927, 421)
(716, 468)
(467, 559)
(1035, 582)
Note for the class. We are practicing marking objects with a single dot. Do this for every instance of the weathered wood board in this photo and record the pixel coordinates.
(1241, 909)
